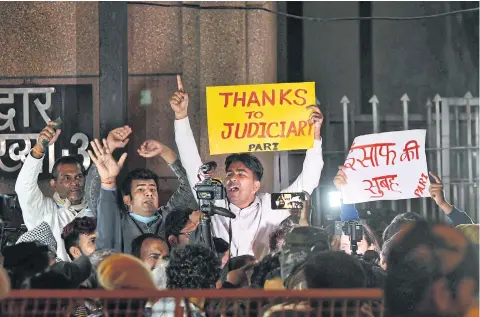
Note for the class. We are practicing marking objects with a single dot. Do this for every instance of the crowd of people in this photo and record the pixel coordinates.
(99, 233)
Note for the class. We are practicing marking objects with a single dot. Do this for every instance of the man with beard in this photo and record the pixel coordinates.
(67, 180)
(79, 237)
(255, 219)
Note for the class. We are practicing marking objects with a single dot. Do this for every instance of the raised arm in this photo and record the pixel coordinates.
(348, 212)
(117, 138)
(312, 166)
(183, 196)
(35, 206)
(437, 193)
(108, 213)
(187, 147)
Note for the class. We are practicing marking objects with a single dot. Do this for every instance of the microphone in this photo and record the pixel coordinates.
(208, 167)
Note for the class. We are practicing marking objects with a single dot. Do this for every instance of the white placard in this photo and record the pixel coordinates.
(386, 166)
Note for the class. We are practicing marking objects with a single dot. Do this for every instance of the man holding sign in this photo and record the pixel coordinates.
(255, 219)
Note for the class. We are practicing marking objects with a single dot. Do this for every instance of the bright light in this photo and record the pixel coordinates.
(335, 199)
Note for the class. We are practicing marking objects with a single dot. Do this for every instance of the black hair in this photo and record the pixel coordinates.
(264, 269)
(251, 162)
(370, 237)
(71, 232)
(24, 260)
(192, 266)
(221, 246)
(70, 159)
(138, 242)
(176, 220)
(334, 269)
(398, 222)
(138, 174)
(371, 256)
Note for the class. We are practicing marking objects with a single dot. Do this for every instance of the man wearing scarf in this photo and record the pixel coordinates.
(68, 181)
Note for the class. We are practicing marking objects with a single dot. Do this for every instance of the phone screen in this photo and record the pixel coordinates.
(287, 200)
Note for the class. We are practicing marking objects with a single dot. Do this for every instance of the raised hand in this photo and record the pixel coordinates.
(340, 179)
(305, 213)
(47, 135)
(107, 167)
(438, 194)
(316, 117)
(179, 101)
(151, 148)
(118, 138)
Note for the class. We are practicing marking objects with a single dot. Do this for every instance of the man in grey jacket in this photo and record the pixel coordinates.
(116, 228)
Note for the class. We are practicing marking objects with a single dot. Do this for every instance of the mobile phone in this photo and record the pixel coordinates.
(56, 126)
(287, 200)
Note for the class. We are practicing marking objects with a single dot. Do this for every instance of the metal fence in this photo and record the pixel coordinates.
(180, 303)
(452, 150)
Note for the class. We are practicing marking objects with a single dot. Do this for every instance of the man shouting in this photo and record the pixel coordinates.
(255, 219)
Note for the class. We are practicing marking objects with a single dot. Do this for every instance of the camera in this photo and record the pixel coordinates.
(210, 189)
(353, 229)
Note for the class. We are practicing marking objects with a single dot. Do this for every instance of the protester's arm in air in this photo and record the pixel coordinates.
(348, 211)
(183, 196)
(117, 138)
(109, 226)
(35, 206)
(437, 193)
(187, 147)
(313, 164)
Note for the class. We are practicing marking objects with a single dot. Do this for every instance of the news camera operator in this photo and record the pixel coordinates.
(255, 219)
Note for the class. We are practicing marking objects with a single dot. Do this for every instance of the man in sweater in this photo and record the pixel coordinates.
(117, 228)
(68, 181)
(255, 219)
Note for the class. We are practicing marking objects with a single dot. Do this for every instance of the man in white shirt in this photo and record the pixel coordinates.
(68, 181)
(255, 219)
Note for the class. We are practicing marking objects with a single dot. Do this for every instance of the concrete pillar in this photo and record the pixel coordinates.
(236, 47)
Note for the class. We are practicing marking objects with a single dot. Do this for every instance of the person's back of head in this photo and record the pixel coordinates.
(24, 260)
(123, 271)
(270, 263)
(371, 256)
(471, 231)
(334, 269)
(398, 222)
(432, 270)
(192, 266)
(299, 243)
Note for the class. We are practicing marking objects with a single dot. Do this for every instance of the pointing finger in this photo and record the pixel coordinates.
(179, 83)
(435, 177)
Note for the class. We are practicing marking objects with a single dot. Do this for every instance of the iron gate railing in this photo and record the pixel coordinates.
(452, 151)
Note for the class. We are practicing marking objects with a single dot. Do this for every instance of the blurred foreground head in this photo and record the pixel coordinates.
(432, 270)
(123, 271)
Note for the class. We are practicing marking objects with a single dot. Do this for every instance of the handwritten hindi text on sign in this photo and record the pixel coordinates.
(257, 118)
(386, 166)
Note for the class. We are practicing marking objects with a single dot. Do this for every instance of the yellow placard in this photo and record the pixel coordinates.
(260, 118)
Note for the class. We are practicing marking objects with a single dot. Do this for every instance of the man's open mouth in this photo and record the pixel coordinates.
(233, 189)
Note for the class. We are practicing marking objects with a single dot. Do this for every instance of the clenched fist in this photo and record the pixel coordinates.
(151, 148)
(179, 101)
(48, 135)
(316, 118)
